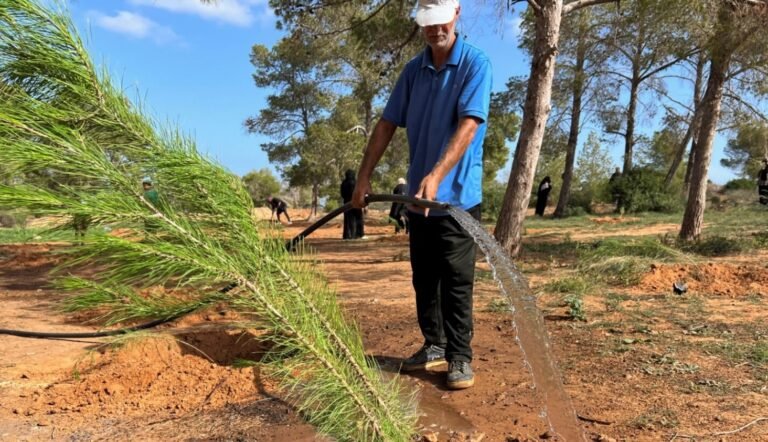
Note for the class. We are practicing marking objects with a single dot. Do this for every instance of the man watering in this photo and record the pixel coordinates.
(442, 98)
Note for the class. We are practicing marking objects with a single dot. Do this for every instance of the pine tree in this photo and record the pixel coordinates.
(59, 114)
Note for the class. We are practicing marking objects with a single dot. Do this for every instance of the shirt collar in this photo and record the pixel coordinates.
(453, 57)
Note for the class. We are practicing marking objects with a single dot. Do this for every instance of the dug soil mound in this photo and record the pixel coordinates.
(709, 279)
(163, 387)
(153, 376)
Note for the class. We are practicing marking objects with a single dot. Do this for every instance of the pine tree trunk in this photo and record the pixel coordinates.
(692, 131)
(681, 149)
(629, 136)
(535, 113)
(573, 134)
(689, 166)
(693, 219)
(313, 206)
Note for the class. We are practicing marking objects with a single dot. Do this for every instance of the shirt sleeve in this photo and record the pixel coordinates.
(475, 98)
(396, 111)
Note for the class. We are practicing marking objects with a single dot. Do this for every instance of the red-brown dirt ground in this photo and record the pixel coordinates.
(647, 365)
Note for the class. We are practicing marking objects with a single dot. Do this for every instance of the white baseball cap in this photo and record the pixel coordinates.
(436, 12)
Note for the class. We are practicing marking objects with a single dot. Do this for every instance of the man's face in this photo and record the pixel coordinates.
(146, 186)
(438, 37)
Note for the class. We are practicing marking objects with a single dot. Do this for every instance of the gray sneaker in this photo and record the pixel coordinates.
(428, 356)
(460, 375)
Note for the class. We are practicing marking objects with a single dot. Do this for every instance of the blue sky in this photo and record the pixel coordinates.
(189, 64)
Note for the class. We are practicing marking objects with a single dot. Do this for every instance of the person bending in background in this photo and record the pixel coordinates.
(543, 195)
(398, 212)
(279, 206)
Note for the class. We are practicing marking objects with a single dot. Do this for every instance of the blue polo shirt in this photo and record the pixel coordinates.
(429, 104)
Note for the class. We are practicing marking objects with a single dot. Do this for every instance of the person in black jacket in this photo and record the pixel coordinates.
(279, 206)
(762, 183)
(398, 212)
(354, 226)
(542, 195)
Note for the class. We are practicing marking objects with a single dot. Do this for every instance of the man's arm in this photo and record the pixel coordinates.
(377, 144)
(458, 144)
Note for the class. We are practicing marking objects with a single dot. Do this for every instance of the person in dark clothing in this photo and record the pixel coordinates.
(543, 195)
(614, 184)
(80, 223)
(398, 212)
(762, 183)
(151, 196)
(279, 206)
(354, 226)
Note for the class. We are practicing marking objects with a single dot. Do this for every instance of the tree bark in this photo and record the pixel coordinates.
(690, 134)
(313, 206)
(629, 136)
(689, 166)
(573, 134)
(535, 113)
(692, 131)
(724, 41)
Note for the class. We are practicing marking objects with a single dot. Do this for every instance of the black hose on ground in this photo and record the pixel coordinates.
(374, 198)
(101, 334)
(290, 245)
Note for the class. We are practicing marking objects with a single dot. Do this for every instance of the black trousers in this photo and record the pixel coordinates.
(443, 264)
(763, 193)
(354, 226)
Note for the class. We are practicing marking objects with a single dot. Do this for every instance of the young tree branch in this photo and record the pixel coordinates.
(756, 112)
(579, 4)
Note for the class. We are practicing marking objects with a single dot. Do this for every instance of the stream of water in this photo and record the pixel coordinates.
(531, 335)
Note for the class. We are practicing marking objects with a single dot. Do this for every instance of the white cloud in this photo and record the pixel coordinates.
(133, 25)
(235, 12)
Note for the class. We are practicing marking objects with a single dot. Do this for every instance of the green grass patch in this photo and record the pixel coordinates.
(498, 305)
(564, 248)
(40, 235)
(715, 246)
(22, 235)
(739, 352)
(569, 284)
(613, 301)
(735, 221)
(617, 271)
(650, 248)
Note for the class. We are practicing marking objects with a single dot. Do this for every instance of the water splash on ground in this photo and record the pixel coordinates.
(531, 334)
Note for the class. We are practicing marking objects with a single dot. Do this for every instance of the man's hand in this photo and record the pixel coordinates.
(428, 189)
(362, 188)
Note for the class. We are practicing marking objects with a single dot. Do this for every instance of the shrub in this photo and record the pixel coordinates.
(714, 246)
(331, 204)
(575, 211)
(493, 198)
(576, 307)
(574, 285)
(643, 190)
(580, 203)
(740, 184)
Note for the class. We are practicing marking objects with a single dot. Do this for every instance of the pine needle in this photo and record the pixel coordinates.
(62, 116)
